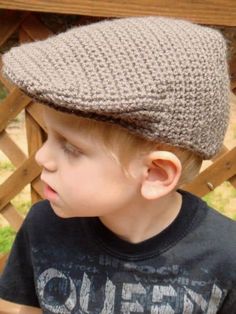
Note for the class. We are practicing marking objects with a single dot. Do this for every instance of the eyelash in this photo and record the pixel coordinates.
(69, 149)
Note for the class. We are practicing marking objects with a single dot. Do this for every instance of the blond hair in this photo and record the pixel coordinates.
(123, 146)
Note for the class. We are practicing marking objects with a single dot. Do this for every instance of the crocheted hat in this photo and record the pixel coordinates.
(163, 79)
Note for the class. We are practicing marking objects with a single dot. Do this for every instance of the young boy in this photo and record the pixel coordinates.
(132, 106)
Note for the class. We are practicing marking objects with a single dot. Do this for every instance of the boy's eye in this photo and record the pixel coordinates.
(70, 149)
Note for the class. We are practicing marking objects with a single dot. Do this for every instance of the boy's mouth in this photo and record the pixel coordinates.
(49, 192)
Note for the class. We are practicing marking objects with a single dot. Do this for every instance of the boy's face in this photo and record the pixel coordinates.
(80, 177)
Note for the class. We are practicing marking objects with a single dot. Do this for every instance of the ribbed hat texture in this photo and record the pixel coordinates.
(163, 79)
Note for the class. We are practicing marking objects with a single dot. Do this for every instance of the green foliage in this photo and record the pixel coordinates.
(6, 165)
(22, 204)
(7, 236)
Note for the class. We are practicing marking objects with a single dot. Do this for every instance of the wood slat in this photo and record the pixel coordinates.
(4, 81)
(223, 150)
(8, 308)
(217, 12)
(22, 176)
(11, 150)
(35, 29)
(35, 110)
(12, 216)
(11, 106)
(221, 170)
(38, 187)
(34, 133)
(10, 21)
(232, 69)
(3, 259)
(12, 308)
(34, 140)
(232, 180)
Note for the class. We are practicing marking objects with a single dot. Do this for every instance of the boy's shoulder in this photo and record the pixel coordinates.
(210, 214)
(213, 222)
(41, 218)
(220, 232)
(218, 225)
(207, 221)
(212, 230)
(40, 212)
(221, 222)
(207, 228)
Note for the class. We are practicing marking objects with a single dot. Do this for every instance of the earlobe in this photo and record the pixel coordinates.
(162, 174)
(151, 192)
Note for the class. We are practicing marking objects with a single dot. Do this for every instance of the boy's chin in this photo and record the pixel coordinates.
(58, 211)
(65, 213)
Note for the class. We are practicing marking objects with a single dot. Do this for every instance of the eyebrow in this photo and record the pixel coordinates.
(75, 139)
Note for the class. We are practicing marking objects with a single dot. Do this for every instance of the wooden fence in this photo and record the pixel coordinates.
(29, 27)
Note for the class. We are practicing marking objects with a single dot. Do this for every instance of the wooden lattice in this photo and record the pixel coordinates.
(29, 28)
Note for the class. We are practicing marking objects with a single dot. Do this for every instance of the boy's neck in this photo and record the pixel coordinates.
(144, 220)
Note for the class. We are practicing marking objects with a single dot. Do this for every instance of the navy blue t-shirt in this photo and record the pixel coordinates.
(77, 265)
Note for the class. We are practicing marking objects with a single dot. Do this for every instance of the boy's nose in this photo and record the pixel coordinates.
(45, 159)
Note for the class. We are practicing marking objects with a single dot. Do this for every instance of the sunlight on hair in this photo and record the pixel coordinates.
(124, 146)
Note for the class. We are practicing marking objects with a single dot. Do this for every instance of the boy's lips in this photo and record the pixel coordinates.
(49, 192)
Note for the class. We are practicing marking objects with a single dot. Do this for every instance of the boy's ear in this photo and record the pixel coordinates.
(162, 172)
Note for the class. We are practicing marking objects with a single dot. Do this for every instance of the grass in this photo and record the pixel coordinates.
(6, 165)
(21, 204)
(7, 236)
